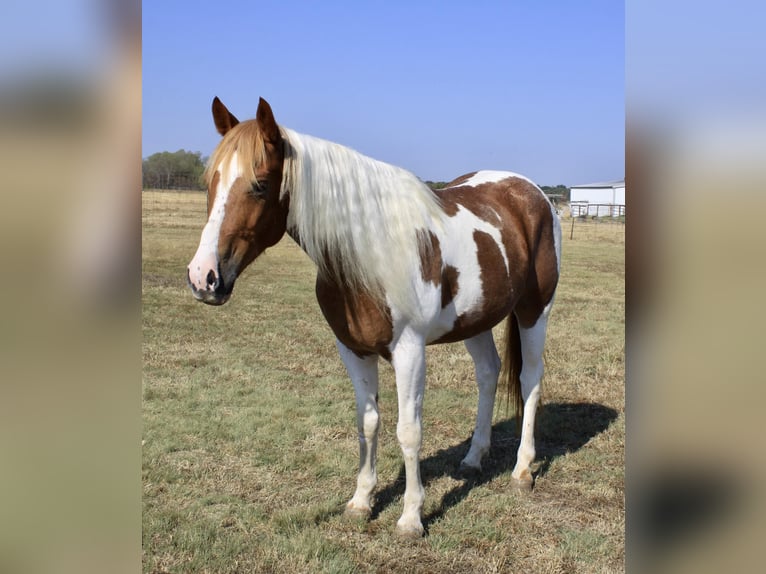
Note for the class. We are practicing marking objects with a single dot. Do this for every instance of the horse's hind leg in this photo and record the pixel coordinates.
(487, 366)
(363, 372)
(532, 343)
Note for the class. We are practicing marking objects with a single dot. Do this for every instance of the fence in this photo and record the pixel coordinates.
(585, 209)
(597, 221)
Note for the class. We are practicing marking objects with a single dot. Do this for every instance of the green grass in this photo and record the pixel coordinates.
(250, 447)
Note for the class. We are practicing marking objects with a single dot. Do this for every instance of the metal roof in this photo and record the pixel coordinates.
(611, 184)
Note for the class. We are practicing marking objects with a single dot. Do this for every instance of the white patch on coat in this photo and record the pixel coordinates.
(491, 176)
(458, 250)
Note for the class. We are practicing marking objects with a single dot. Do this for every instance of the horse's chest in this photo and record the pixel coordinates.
(358, 322)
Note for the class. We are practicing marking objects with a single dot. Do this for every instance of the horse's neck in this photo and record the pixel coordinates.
(350, 213)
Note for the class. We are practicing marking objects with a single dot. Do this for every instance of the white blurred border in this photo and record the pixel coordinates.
(70, 126)
(696, 159)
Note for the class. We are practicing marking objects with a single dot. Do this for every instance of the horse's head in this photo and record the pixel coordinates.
(245, 211)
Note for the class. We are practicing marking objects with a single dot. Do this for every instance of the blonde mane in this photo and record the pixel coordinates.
(247, 140)
(359, 219)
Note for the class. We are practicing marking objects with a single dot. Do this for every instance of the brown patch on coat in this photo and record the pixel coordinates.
(431, 263)
(497, 294)
(430, 253)
(448, 200)
(357, 319)
(494, 274)
(471, 199)
(450, 284)
(542, 278)
(523, 217)
(458, 181)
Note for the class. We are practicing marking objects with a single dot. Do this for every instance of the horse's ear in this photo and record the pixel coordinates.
(223, 118)
(266, 122)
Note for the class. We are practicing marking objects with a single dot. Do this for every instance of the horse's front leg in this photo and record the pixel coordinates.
(363, 372)
(408, 358)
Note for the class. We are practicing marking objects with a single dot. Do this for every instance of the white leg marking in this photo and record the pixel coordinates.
(408, 358)
(532, 343)
(364, 376)
(487, 365)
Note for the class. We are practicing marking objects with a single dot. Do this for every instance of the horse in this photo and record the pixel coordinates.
(399, 267)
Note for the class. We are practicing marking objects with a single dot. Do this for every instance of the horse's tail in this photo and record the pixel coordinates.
(510, 373)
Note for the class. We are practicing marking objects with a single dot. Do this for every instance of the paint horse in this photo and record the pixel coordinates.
(399, 267)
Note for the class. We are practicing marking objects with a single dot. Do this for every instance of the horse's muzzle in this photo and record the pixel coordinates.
(216, 291)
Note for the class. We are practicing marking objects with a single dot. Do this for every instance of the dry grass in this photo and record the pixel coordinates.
(250, 446)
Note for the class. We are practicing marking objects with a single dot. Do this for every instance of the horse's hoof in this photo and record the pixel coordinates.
(357, 514)
(410, 531)
(523, 484)
(468, 471)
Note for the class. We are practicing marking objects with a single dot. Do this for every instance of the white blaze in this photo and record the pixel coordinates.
(206, 257)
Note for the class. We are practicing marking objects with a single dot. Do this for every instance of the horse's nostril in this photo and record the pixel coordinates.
(211, 278)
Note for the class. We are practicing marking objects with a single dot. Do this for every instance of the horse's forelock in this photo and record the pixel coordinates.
(247, 141)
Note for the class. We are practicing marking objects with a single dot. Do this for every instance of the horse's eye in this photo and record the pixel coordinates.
(258, 189)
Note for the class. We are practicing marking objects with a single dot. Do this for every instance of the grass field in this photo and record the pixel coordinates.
(249, 431)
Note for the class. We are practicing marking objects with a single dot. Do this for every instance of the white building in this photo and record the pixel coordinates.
(605, 199)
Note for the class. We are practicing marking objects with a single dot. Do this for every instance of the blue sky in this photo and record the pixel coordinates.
(440, 88)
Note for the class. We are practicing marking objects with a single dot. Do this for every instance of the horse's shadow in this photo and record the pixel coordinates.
(560, 428)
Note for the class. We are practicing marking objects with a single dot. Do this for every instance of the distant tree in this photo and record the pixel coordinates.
(177, 170)
(561, 192)
(436, 184)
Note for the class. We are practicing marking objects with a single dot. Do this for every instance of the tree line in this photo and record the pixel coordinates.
(559, 192)
(173, 170)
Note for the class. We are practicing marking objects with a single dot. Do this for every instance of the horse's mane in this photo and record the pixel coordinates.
(359, 219)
